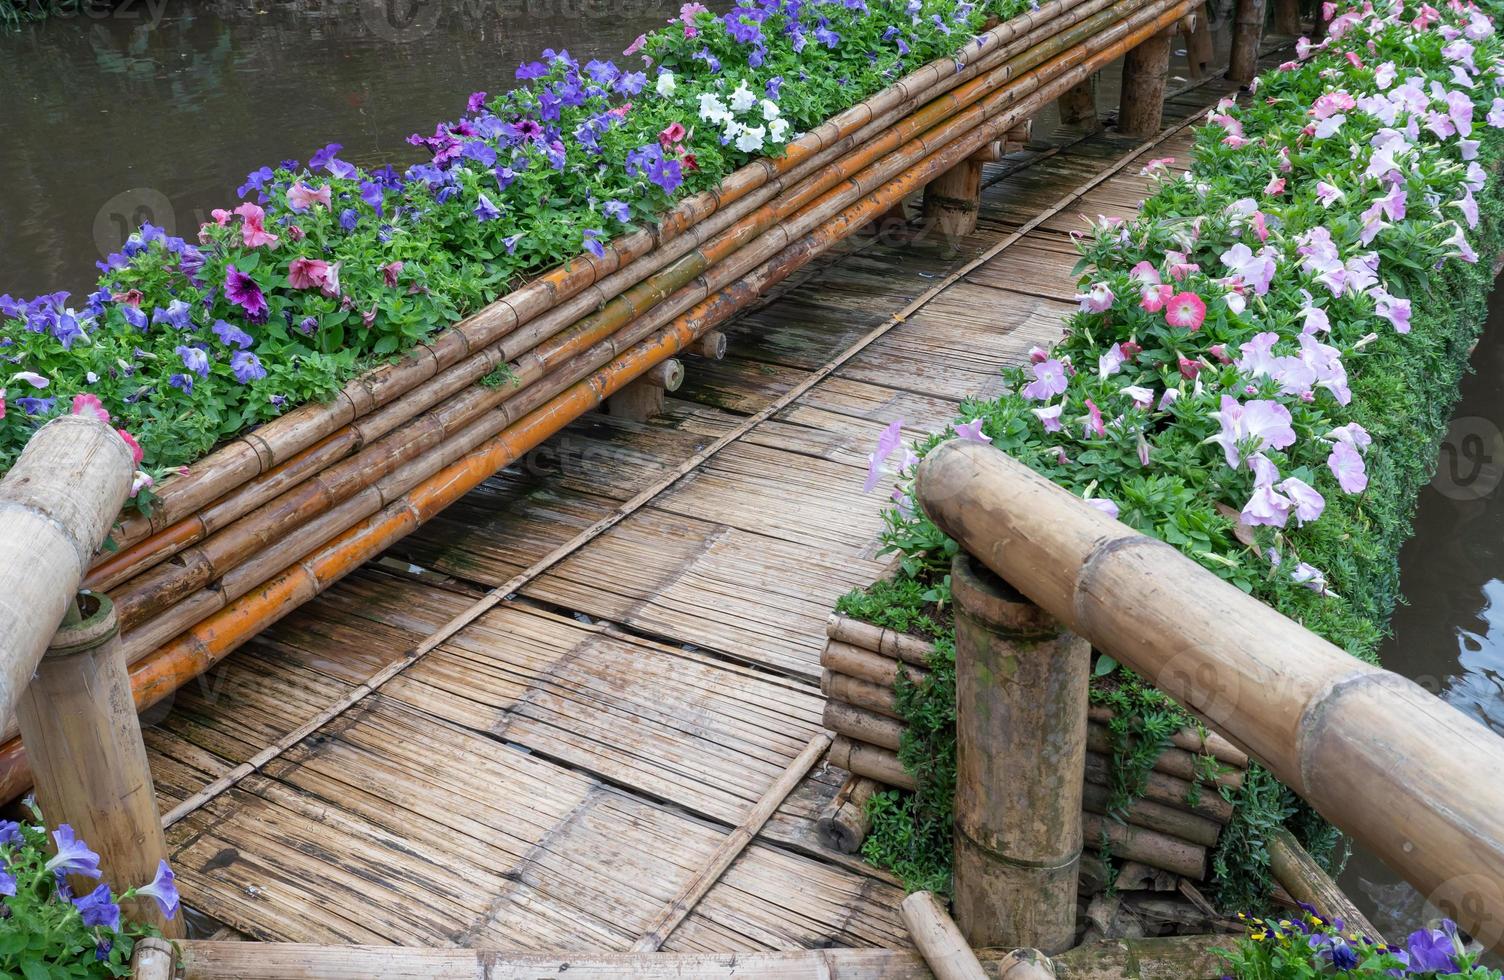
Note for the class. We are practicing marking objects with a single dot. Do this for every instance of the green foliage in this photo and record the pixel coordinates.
(1306, 946)
(14, 13)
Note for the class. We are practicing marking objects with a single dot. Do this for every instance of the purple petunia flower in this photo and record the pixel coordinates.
(73, 855)
(134, 317)
(485, 210)
(178, 314)
(10, 833)
(531, 70)
(183, 382)
(7, 883)
(592, 243)
(231, 335)
(35, 406)
(98, 908)
(511, 242)
(476, 102)
(618, 210)
(194, 359)
(245, 293)
(246, 367)
(256, 180)
(321, 158)
(164, 889)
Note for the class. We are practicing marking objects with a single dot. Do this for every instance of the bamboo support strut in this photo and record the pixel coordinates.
(1306, 882)
(843, 822)
(56, 506)
(668, 919)
(194, 654)
(1337, 731)
(938, 940)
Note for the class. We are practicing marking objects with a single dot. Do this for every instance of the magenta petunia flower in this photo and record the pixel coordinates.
(307, 273)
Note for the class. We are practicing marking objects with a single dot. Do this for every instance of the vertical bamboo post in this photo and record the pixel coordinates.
(1020, 762)
(1145, 69)
(951, 200)
(1287, 17)
(153, 959)
(1247, 33)
(643, 398)
(1199, 49)
(83, 739)
(1077, 105)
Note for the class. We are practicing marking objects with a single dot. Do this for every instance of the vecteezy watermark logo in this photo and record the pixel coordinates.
(400, 20)
(1471, 462)
(122, 214)
(147, 11)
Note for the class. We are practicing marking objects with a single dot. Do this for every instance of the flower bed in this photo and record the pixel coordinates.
(209, 560)
(1265, 359)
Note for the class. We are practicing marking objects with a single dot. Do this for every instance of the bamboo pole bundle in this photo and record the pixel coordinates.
(305, 439)
(224, 618)
(386, 446)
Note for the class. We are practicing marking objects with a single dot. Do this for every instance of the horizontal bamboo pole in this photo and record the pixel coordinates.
(56, 506)
(530, 353)
(862, 694)
(864, 665)
(1146, 846)
(210, 640)
(1166, 789)
(862, 725)
(1191, 739)
(889, 643)
(1339, 732)
(1182, 957)
(1175, 762)
(586, 281)
(1168, 820)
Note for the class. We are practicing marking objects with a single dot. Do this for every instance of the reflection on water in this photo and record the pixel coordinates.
(158, 111)
(1450, 637)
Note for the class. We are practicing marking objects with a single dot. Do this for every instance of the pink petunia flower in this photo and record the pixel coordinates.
(1049, 416)
(301, 197)
(252, 229)
(1049, 381)
(1347, 466)
(1185, 310)
(1261, 424)
(89, 404)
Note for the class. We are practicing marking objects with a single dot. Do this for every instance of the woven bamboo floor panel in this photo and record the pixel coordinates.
(553, 773)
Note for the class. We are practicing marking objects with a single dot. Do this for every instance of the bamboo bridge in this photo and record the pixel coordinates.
(578, 713)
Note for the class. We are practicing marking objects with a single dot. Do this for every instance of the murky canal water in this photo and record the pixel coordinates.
(1450, 636)
(159, 110)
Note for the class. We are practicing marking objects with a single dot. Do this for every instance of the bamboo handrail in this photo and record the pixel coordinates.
(56, 505)
(1403, 772)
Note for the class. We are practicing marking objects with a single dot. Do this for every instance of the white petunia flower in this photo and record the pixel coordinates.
(769, 110)
(666, 83)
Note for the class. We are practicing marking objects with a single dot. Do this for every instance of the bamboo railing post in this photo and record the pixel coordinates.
(1145, 70)
(1199, 48)
(56, 506)
(1304, 879)
(79, 724)
(1287, 17)
(952, 200)
(1078, 104)
(1021, 704)
(1247, 34)
(1339, 732)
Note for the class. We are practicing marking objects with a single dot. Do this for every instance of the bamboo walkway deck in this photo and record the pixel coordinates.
(552, 774)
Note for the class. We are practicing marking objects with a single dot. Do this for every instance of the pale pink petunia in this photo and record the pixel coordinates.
(1267, 507)
(1327, 194)
(1049, 381)
(1347, 466)
(1353, 434)
(1495, 116)
(1254, 268)
(1097, 299)
(1309, 503)
(1316, 320)
(1049, 416)
(1458, 241)
(636, 45)
(31, 378)
(1310, 576)
(1104, 505)
(1392, 308)
(1144, 272)
(301, 197)
(887, 441)
(972, 432)
(1468, 205)
(1111, 362)
(1257, 424)
(305, 273)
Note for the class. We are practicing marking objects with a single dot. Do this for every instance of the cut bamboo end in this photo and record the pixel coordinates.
(668, 375)
(843, 823)
(712, 346)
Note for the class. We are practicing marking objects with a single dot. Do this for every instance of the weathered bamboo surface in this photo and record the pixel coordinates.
(562, 770)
